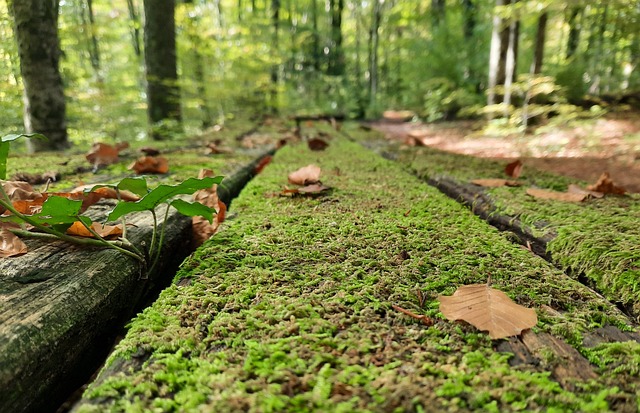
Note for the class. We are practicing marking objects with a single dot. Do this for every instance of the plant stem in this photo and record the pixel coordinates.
(161, 240)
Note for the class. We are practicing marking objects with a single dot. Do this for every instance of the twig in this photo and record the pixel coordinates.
(428, 321)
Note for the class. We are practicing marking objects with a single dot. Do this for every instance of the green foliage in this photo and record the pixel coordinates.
(444, 100)
(5, 146)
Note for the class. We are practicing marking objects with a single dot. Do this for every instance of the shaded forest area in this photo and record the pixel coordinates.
(123, 70)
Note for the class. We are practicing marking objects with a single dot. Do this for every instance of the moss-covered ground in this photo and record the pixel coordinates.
(597, 239)
(289, 308)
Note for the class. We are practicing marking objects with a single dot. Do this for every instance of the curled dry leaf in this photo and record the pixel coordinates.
(10, 244)
(102, 154)
(494, 183)
(557, 196)
(213, 148)
(306, 175)
(606, 186)
(487, 309)
(151, 165)
(310, 190)
(202, 229)
(317, 144)
(575, 189)
(105, 231)
(514, 169)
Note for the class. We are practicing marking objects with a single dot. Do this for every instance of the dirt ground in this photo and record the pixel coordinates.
(610, 143)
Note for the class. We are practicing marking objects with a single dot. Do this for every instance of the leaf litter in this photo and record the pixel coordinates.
(308, 178)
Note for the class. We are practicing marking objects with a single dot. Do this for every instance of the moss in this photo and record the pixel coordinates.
(596, 239)
(289, 307)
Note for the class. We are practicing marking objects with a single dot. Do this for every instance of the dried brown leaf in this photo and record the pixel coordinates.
(105, 231)
(606, 186)
(557, 196)
(150, 164)
(306, 175)
(317, 144)
(514, 169)
(398, 115)
(494, 183)
(262, 164)
(10, 244)
(313, 189)
(202, 228)
(149, 151)
(487, 309)
(102, 154)
(575, 189)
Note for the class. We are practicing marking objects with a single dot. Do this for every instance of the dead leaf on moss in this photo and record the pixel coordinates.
(606, 186)
(317, 144)
(575, 189)
(487, 309)
(149, 151)
(10, 244)
(557, 196)
(105, 231)
(306, 175)
(494, 183)
(202, 229)
(151, 165)
(514, 169)
(213, 148)
(102, 154)
(313, 189)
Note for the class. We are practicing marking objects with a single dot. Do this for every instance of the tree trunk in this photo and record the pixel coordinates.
(315, 44)
(336, 54)
(575, 26)
(135, 27)
(540, 39)
(510, 64)
(36, 32)
(163, 92)
(437, 12)
(94, 50)
(470, 21)
(494, 56)
(275, 21)
(374, 40)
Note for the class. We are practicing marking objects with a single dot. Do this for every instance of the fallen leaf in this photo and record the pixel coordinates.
(494, 183)
(214, 149)
(36, 179)
(398, 115)
(262, 164)
(102, 154)
(575, 189)
(10, 244)
(105, 231)
(150, 164)
(606, 186)
(317, 144)
(121, 146)
(557, 196)
(313, 189)
(201, 227)
(306, 175)
(514, 169)
(487, 309)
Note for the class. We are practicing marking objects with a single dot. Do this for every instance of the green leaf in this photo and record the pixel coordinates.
(162, 194)
(4, 149)
(193, 209)
(59, 210)
(136, 185)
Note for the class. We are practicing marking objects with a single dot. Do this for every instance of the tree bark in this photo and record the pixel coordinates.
(163, 92)
(336, 54)
(135, 27)
(470, 22)
(36, 32)
(575, 27)
(275, 21)
(94, 49)
(540, 39)
(374, 40)
(494, 55)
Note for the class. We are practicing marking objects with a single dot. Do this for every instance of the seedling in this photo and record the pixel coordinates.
(60, 211)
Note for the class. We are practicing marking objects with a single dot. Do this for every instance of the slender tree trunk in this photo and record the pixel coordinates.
(510, 64)
(494, 56)
(437, 12)
(470, 22)
(163, 92)
(275, 21)
(315, 44)
(135, 27)
(36, 32)
(575, 27)
(336, 54)
(239, 11)
(374, 40)
(94, 50)
(540, 39)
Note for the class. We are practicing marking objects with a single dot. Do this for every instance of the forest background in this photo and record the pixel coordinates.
(515, 62)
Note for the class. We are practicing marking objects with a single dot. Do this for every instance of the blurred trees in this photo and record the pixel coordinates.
(440, 58)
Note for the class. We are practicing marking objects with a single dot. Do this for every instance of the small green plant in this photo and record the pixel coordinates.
(58, 213)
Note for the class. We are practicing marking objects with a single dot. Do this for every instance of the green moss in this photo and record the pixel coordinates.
(288, 308)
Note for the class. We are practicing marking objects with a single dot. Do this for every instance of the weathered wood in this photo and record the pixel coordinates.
(61, 305)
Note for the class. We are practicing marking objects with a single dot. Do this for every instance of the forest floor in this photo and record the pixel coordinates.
(583, 151)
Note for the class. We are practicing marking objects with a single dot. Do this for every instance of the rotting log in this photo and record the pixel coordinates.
(61, 306)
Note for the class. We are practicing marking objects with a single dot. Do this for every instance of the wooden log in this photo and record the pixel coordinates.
(61, 305)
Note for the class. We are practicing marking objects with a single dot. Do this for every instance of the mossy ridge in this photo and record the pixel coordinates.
(289, 307)
(597, 238)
